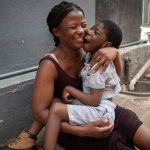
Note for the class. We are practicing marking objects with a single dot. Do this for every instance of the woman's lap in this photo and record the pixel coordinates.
(126, 125)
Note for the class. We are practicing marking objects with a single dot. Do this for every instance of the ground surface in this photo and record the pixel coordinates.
(140, 105)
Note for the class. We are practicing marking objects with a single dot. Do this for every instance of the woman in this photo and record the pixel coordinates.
(67, 60)
(67, 23)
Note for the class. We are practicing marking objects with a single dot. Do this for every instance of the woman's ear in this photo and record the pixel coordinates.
(55, 31)
(107, 44)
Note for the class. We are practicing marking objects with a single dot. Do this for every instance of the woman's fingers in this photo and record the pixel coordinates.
(95, 68)
(99, 128)
(101, 122)
(105, 131)
(99, 62)
(104, 57)
(104, 66)
(96, 58)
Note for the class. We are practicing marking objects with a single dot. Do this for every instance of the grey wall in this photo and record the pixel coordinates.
(24, 36)
(126, 13)
(15, 110)
(24, 39)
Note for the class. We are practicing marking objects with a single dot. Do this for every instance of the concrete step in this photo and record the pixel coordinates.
(147, 76)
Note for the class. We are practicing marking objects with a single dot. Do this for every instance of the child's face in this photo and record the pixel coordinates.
(96, 38)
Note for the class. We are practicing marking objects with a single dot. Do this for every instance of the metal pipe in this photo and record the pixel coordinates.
(15, 73)
(133, 43)
(138, 75)
(127, 64)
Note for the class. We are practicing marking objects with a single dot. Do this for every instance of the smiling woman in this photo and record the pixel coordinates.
(61, 67)
(72, 29)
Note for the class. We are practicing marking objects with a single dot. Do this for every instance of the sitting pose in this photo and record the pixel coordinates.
(66, 22)
(98, 88)
(67, 55)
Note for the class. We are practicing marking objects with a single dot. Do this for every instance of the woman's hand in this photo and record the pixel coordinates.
(103, 57)
(98, 129)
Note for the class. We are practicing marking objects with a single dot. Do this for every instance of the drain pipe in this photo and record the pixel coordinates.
(133, 43)
(127, 64)
(19, 72)
(138, 75)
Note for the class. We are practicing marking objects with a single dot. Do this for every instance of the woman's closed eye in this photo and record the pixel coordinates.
(73, 27)
(76, 26)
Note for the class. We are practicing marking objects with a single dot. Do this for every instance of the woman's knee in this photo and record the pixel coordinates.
(142, 138)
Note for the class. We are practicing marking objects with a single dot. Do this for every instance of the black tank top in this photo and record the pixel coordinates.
(63, 79)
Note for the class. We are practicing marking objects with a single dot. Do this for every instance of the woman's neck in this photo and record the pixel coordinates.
(68, 52)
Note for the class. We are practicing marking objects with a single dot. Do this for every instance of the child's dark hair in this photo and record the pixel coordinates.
(114, 34)
(58, 13)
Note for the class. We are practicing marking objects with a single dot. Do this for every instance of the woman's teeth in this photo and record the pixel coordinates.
(85, 39)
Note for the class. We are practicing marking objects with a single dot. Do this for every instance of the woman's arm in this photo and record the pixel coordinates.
(104, 57)
(96, 129)
(43, 90)
(93, 98)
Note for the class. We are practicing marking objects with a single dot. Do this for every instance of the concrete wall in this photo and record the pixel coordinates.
(138, 55)
(24, 35)
(15, 110)
(24, 39)
(126, 13)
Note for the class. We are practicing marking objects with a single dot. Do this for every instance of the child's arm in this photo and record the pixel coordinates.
(118, 64)
(93, 98)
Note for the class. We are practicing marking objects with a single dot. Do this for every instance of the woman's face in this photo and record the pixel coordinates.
(95, 38)
(72, 30)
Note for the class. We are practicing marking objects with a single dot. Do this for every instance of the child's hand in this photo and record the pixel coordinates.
(67, 96)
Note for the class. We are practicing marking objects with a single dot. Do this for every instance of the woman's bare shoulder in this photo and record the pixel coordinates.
(47, 69)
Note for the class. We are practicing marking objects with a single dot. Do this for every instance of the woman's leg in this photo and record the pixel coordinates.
(58, 113)
(35, 128)
(27, 138)
(142, 138)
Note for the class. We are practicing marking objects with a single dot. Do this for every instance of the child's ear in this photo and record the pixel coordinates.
(107, 44)
(55, 31)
